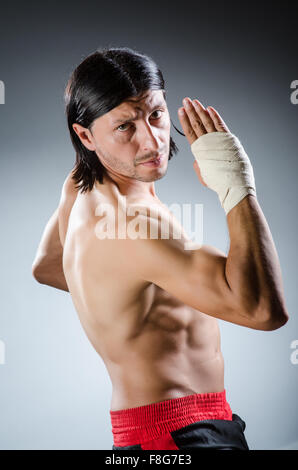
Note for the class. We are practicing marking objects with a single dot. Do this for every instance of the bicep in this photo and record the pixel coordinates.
(196, 277)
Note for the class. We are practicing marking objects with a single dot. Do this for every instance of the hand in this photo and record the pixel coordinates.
(196, 121)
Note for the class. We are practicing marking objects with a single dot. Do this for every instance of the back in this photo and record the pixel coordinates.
(105, 288)
(138, 328)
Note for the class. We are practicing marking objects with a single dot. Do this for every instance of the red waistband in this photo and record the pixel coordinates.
(136, 425)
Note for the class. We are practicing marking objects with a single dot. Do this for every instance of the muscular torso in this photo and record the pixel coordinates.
(154, 346)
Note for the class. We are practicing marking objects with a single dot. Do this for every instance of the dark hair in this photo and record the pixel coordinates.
(101, 82)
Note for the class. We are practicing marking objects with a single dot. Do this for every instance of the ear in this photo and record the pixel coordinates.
(85, 136)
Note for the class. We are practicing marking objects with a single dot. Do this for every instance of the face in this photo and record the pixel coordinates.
(131, 134)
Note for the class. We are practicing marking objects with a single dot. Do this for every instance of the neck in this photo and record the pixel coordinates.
(131, 187)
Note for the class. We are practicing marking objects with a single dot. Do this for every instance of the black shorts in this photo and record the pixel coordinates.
(216, 434)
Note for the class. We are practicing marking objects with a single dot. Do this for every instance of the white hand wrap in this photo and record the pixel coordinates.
(225, 167)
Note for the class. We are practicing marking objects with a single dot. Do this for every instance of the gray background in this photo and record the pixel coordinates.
(54, 391)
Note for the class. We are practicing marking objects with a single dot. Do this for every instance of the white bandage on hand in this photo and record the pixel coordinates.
(225, 167)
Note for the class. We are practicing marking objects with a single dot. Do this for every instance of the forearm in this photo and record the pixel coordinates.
(47, 267)
(252, 267)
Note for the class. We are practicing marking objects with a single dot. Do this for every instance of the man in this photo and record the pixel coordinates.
(149, 306)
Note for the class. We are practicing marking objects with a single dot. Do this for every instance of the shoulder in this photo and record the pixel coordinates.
(67, 199)
(69, 188)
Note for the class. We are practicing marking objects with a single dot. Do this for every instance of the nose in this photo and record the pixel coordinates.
(148, 139)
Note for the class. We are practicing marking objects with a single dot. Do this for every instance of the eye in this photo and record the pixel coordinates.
(121, 125)
(156, 111)
(128, 123)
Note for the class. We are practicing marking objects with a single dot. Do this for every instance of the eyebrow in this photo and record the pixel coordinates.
(126, 119)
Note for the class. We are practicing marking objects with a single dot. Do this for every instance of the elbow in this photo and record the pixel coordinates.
(37, 273)
(275, 322)
(268, 319)
(280, 318)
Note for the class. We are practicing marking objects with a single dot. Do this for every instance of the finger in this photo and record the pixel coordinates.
(219, 123)
(204, 116)
(187, 127)
(194, 118)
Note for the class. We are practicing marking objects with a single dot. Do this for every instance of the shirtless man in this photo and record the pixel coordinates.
(148, 306)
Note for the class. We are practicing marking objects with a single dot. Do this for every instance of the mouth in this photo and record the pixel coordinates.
(153, 162)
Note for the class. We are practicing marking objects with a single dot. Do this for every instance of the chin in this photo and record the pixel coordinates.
(151, 178)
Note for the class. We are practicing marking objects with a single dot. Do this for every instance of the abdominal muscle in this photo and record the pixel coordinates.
(142, 382)
(182, 370)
